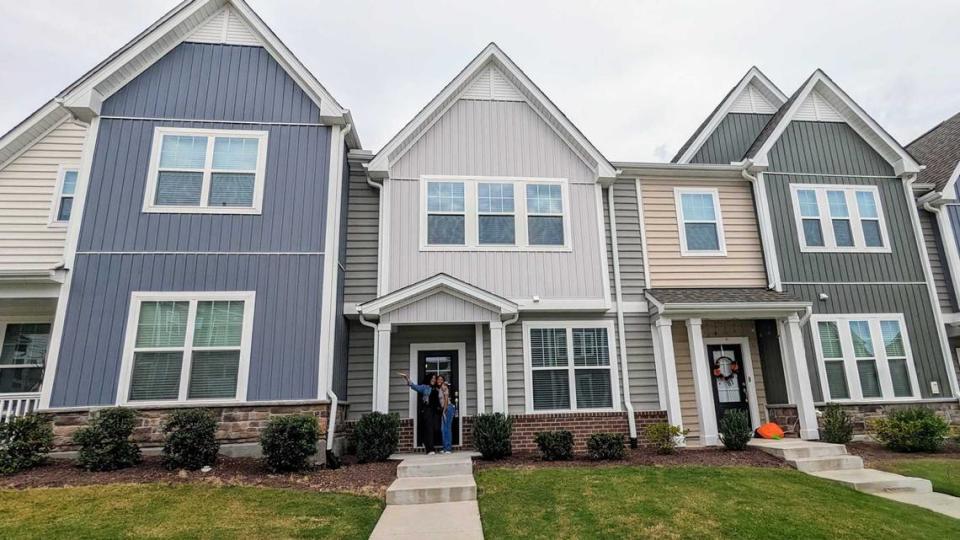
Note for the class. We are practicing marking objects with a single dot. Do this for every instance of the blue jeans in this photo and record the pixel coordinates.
(446, 426)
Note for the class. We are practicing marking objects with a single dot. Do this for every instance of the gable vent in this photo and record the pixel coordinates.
(491, 85)
(751, 100)
(225, 26)
(816, 108)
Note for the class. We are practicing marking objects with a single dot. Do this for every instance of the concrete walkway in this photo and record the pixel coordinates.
(432, 497)
(831, 462)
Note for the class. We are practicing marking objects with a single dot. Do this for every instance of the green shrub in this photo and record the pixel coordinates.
(377, 436)
(491, 435)
(664, 436)
(288, 442)
(911, 430)
(605, 446)
(555, 445)
(191, 441)
(24, 443)
(735, 430)
(105, 443)
(837, 426)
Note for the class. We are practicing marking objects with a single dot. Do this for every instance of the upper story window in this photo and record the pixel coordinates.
(23, 352)
(63, 198)
(701, 226)
(206, 171)
(493, 215)
(864, 357)
(839, 218)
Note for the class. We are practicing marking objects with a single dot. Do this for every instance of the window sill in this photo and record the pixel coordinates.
(575, 411)
(804, 249)
(498, 249)
(882, 401)
(181, 403)
(201, 210)
(703, 253)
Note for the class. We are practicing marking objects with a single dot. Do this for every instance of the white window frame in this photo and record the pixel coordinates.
(4, 322)
(528, 368)
(149, 205)
(513, 214)
(678, 192)
(52, 221)
(850, 359)
(133, 318)
(472, 215)
(826, 220)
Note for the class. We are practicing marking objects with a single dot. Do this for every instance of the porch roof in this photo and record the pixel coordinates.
(741, 303)
(466, 300)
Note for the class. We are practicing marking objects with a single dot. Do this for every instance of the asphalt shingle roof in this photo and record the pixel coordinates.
(939, 150)
(720, 296)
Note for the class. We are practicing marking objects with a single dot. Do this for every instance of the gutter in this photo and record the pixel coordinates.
(621, 331)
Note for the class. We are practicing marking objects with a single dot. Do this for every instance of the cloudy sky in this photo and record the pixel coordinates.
(635, 76)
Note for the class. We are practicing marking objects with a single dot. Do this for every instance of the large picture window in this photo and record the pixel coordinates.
(839, 218)
(570, 366)
(23, 353)
(864, 358)
(187, 348)
(701, 227)
(206, 171)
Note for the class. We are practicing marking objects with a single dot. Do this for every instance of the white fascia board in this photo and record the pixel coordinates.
(631, 169)
(733, 310)
(856, 118)
(15, 141)
(760, 81)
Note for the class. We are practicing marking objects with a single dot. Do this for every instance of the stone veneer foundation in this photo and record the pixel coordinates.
(863, 414)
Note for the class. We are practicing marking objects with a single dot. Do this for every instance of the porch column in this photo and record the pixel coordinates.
(481, 397)
(668, 364)
(702, 384)
(498, 383)
(796, 366)
(381, 375)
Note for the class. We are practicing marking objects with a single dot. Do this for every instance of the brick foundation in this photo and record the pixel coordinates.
(863, 414)
(786, 417)
(582, 425)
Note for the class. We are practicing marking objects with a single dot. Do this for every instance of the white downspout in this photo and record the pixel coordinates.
(766, 243)
(621, 327)
(506, 396)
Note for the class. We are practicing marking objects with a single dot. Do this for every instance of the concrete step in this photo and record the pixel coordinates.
(830, 463)
(938, 502)
(791, 449)
(874, 481)
(444, 465)
(435, 489)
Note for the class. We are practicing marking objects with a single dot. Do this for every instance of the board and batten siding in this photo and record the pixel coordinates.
(27, 186)
(743, 264)
(938, 261)
(731, 139)
(629, 240)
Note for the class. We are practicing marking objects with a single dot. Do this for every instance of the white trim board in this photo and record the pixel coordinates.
(685, 251)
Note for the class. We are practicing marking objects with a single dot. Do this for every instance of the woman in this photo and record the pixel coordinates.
(449, 413)
(430, 409)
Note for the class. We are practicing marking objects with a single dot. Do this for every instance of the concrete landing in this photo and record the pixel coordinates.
(459, 520)
(874, 481)
(938, 502)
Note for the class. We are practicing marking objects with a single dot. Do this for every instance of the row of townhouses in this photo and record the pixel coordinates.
(194, 222)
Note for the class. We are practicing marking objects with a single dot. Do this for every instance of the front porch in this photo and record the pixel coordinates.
(26, 322)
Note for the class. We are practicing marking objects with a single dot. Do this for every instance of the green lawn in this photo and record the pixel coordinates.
(183, 511)
(690, 502)
(944, 473)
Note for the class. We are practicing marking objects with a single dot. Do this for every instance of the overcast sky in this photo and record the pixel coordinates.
(635, 77)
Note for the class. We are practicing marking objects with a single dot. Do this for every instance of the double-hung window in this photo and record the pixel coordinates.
(206, 171)
(63, 199)
(446, 213)
(864, 358)
(496, 220)
(839, 218)
(700, 224)
(544, 214)
(570, 366)
(183, 348)
(23, 353)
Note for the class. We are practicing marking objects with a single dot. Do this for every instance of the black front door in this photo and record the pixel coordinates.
(440, 363)
(728, 378)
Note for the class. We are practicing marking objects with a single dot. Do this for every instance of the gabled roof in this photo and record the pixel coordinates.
(939, 150)
(435, 284)
(83, 97)
(819, 90)
(465, 83)
(754, 93)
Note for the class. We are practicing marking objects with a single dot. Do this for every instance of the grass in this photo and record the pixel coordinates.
(944, 473)
(690, 502)
(183, 511)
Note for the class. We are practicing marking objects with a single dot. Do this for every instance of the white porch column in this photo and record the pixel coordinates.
(796, 366)
(481, 396)
(381, 376)
(498, 382)
(702, 384)
(669, 371)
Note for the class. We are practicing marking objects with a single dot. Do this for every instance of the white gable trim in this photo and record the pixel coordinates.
(851, 113)
(754, 92)
(492, 57)
(948, 191)
(432, 285)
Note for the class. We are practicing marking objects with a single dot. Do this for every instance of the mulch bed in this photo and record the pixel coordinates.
(872, 452)
(706, 457)
(364, 479)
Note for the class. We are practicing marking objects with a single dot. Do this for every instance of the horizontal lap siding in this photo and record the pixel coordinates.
(360, 370)
(285, 345)
(363, 231)
(629, 240)
(938, 261)
(731, 139)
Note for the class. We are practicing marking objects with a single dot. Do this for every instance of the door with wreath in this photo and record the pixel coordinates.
(729, 379)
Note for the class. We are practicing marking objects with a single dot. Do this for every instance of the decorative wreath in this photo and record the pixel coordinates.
(718, 371)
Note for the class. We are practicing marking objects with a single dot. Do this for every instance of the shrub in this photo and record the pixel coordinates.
(837, 427)
(289, 441)
(735, 430)
(24, 443)
(377, 436)
(663, 436)
(605, 446)
(105, 443)
(190, 440)
(555, 445)
(911, 430)
(491, 435)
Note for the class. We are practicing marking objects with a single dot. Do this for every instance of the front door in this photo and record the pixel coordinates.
(444, 363)
(729, 379)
